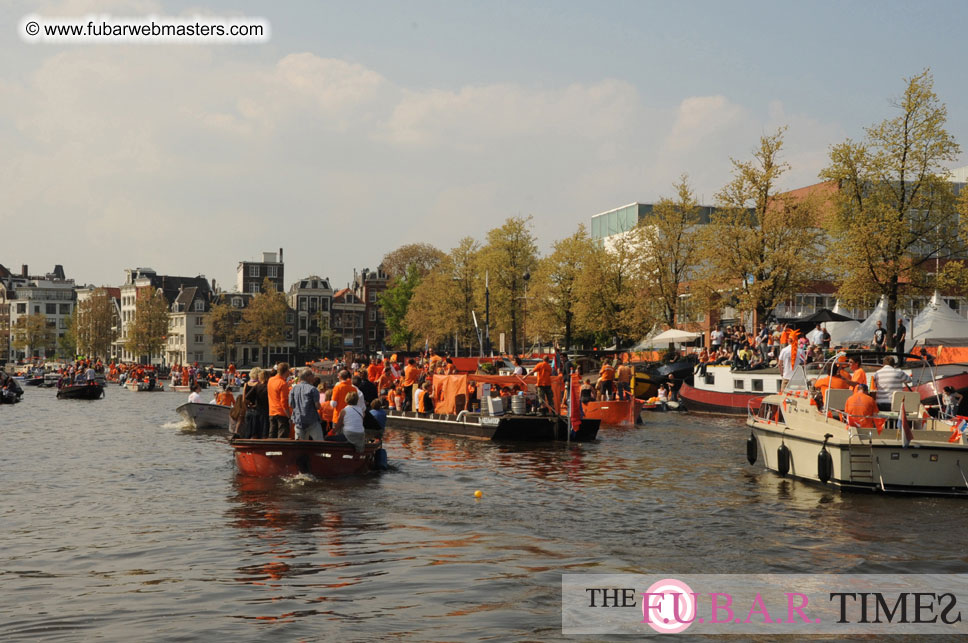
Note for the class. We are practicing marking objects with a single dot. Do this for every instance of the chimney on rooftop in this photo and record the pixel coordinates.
(23, 270)
(280, 255)
(214, 289)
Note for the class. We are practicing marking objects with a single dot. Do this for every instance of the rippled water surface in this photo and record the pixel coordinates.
(120, 524)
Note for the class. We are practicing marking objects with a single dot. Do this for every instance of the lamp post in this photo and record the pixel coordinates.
(524, 319)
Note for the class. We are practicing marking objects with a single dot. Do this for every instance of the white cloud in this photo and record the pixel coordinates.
(189, 159)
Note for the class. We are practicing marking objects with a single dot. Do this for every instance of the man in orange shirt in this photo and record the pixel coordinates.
(279, 411)
(839, 380)
(386, 382)
(860, 408)
(857, 375)
(606, 380)
(623, 379)
(374, 371)
(338, 399)
(410, 375)
(542, 371)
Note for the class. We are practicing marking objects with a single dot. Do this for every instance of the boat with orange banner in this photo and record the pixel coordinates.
(463, 405)
(322, 459)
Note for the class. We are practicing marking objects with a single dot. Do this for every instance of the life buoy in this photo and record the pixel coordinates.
(783, 459)
(825, 465)
(751, 448)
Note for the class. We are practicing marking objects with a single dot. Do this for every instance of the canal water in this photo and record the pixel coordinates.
(120, 524)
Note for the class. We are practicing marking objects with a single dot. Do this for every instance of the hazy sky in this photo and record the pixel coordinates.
(365, 125)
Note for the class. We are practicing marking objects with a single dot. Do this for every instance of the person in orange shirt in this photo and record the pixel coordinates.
(861, 408)
(449, 367)
(857, 375)
(542, 371)
(279, 411)
(386, 382)
(410, 375)
(374, 371)
(325, 408)
(839, 380)
(338, 398)
(606, 380)
(225, 397)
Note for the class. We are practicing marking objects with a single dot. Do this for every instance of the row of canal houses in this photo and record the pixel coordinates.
(320, 321)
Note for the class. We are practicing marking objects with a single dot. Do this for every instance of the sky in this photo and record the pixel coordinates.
(362, 126)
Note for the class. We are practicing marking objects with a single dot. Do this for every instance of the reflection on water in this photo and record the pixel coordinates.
(120, 524)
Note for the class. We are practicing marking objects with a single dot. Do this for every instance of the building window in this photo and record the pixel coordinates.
(303, 305)
(65, 309)
(289, 318)
(199, 321)
(372, 296)
(236, 302)
(254, 288)
(272, 271)
(372, 333)
(21, 309)
(253, 271)
(199, 305)
(199, 339)
(37, 309)
(372, 314)
(302, 323)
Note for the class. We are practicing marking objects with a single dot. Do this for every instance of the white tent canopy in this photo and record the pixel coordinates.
(864, 333)
(839, 330)
(671, 336)
(937, 321)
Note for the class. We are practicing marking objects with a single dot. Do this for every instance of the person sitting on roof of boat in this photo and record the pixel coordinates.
(860, 408)
(887, 381)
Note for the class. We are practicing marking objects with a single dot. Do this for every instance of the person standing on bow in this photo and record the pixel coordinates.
(279, 409)
(304, 402)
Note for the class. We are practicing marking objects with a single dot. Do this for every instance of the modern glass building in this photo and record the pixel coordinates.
(623, 219)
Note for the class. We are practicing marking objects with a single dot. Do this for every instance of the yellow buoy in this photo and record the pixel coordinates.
(478, 494)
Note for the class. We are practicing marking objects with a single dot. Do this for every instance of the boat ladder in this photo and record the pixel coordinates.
(861, 458)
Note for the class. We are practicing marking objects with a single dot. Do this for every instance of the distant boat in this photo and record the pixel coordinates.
(144, 386)
(93, 391)
(205, 416)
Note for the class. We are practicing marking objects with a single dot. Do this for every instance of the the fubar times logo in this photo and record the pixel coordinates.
(765, 604)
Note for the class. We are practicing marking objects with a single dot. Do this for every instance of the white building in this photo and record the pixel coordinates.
(51, 295)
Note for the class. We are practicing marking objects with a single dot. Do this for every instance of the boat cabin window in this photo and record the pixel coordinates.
(771, 412)
(758, 386)
(738, 384)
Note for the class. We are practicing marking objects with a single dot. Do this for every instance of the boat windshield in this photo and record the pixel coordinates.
(798, 381)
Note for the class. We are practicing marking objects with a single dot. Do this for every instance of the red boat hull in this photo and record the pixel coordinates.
(270, 458)
(959, 382)
(699, 401)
